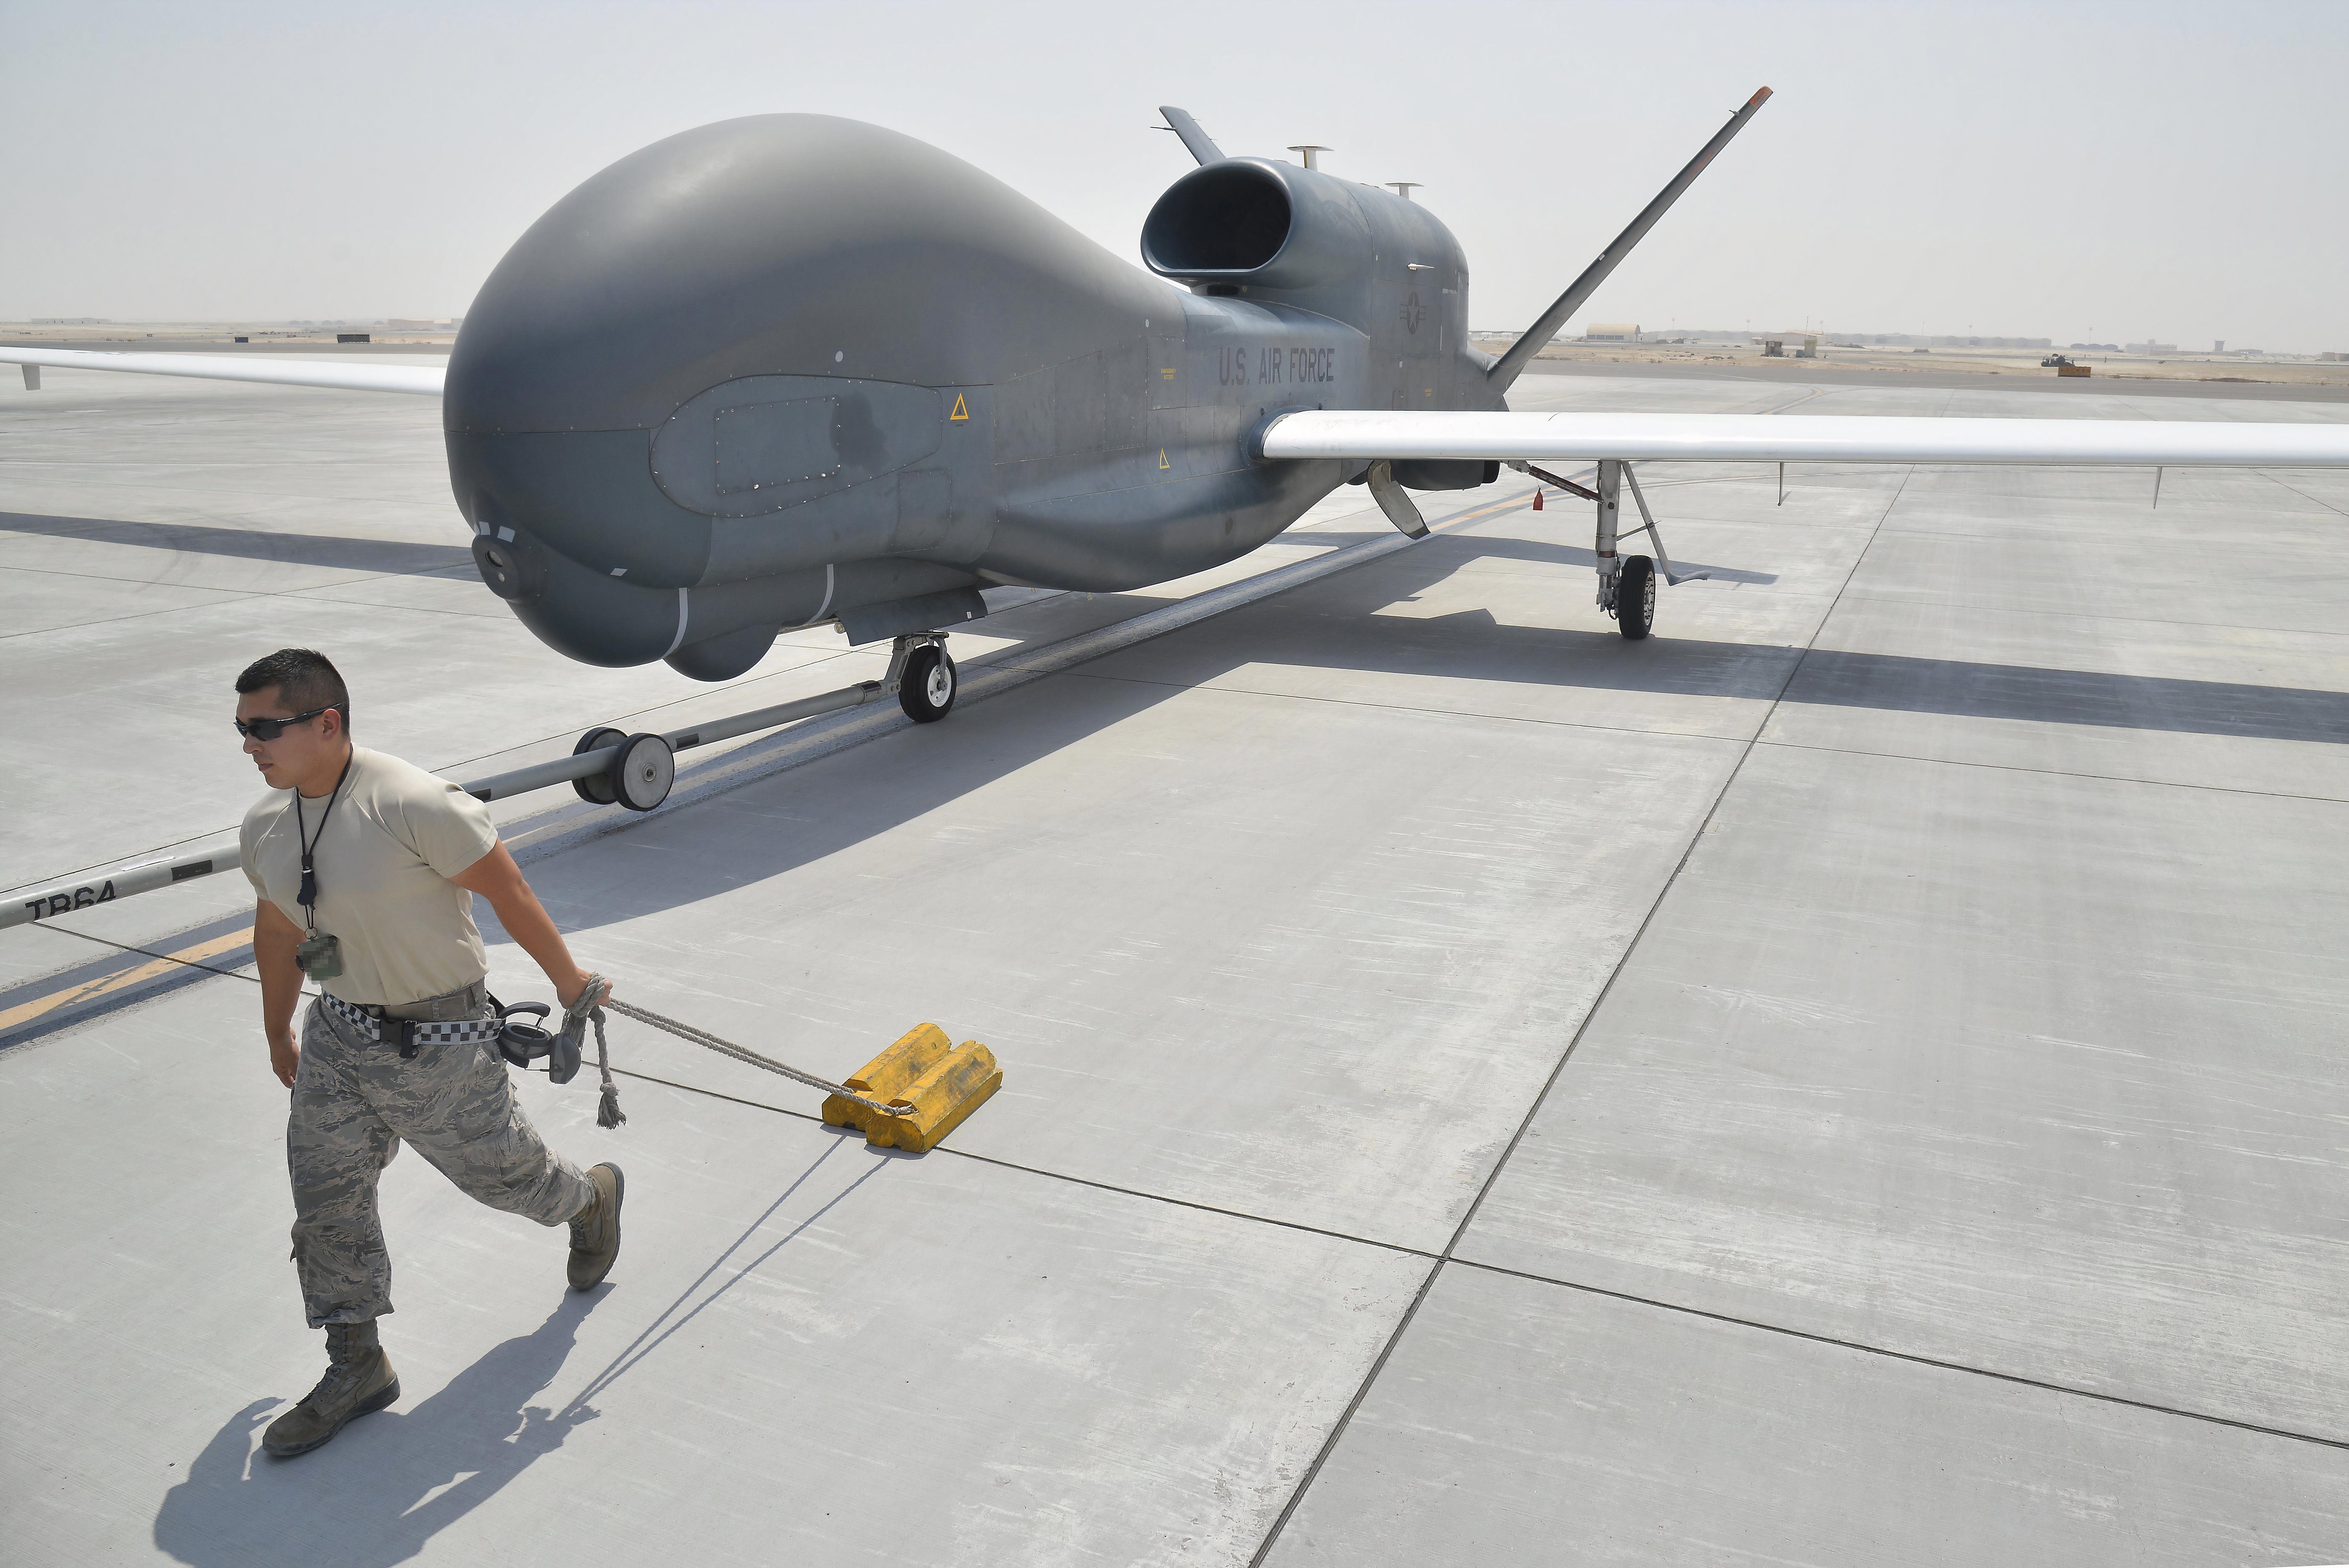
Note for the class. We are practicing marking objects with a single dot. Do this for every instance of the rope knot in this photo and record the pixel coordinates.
(585, 1008)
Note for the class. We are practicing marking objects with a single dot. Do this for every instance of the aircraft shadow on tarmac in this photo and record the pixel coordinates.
(1474, 645)
(1330, 625)
(388, 557)
(1501, 547)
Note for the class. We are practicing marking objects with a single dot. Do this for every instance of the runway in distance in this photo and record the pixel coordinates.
(790, 368)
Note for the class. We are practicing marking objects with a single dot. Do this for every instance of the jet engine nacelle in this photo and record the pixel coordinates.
(1259, 223)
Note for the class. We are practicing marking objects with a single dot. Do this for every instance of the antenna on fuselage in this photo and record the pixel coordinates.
(1308, 150)
(1403, 188)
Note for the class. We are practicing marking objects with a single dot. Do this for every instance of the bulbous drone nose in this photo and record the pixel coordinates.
(791, 244)
(655, 281)
(752, 351)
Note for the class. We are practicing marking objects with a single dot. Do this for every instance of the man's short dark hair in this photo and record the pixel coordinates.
(305, 678)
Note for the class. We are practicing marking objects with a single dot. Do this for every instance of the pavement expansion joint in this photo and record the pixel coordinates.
(1910, 1357)
(621, 1363)
(1468, 713)
(1440, 1259)
(1917, 601)
(2053, 772)
(108, 621)
(64, 998)
(1061, 1176)
(1598, 1004)
(325, 596)
(2304, 495)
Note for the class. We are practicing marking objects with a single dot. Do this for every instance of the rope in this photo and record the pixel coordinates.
(584, 1007)
(591, 1007)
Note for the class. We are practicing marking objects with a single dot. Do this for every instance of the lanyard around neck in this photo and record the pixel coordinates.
(308, 896)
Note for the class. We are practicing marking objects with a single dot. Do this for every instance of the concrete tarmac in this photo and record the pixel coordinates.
(1849, 1080)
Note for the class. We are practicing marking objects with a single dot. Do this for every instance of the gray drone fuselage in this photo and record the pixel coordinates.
(792, 368)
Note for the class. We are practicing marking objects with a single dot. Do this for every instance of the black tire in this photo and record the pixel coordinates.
(1635, 597)
(928, 691)
(595, 789)
(640, 776)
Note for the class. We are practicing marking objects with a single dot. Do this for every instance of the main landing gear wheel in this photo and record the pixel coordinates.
(927, 690)
(1635, 597)
(640, 775)
(596, 788)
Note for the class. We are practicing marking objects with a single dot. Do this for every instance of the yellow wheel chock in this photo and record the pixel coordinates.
(929, 1084)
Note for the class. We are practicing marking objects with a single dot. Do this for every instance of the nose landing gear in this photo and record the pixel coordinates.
(928, 684)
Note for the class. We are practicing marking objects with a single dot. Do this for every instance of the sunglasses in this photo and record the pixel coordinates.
(270, 729)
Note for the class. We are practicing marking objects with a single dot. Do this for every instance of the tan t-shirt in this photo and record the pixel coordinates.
(383, 860)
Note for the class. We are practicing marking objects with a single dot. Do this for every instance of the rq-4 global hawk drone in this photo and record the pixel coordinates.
(790, 370)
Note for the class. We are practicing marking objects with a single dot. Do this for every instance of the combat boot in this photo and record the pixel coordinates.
(358, 1380)
(595, 1230)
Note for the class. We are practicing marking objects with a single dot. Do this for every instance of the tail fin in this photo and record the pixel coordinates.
(1184, 126)
(1506, 370)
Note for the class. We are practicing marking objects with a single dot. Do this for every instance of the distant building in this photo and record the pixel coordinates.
(2334, 356)
(2218, 346)
(1614, 332)
(2148, 348)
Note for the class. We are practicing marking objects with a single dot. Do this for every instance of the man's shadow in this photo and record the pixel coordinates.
(390, 1480)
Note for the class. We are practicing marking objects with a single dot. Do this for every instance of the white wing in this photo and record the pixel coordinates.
(1794, 438)
(424, 381)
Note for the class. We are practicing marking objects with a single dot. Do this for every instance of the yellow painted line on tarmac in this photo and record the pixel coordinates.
(24, 1012)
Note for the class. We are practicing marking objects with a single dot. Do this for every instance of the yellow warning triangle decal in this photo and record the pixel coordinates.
(1161, 458)
(959, 412)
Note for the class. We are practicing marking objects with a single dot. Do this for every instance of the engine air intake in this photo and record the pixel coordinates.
(1224, 221)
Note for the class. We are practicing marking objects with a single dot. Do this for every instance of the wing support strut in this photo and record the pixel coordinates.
(1506, 370)
(1647, 526)
(1562, 483)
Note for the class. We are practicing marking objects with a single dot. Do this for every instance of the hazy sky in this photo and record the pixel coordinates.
(2106, 171)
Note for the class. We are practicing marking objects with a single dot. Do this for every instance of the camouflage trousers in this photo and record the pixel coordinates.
(354, 1101)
